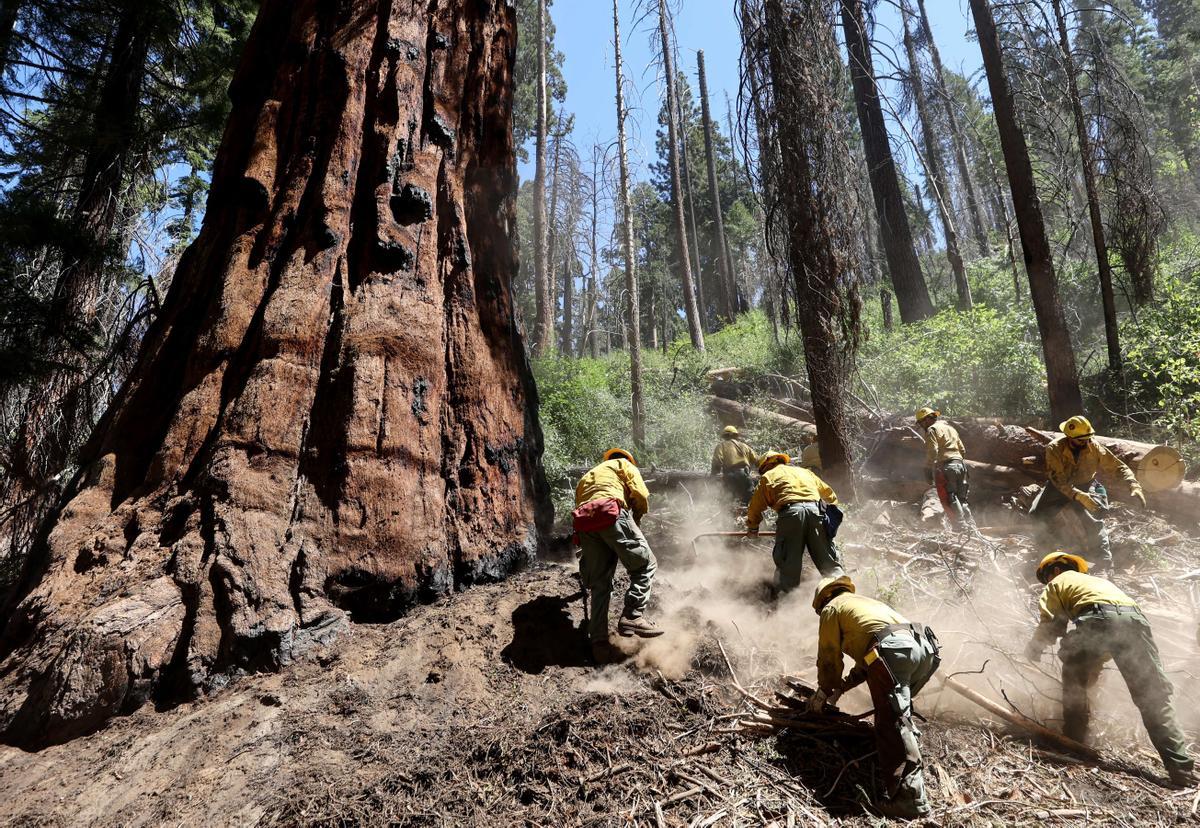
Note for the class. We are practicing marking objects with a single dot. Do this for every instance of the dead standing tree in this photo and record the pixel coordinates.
(726, 281)
(912, 295)
(543, 332)
(334, 413)
(957, 136)
(792, 41)
(691, 305)
(633, 318)
(1062, 380)
(935, 167)
(1087, 154)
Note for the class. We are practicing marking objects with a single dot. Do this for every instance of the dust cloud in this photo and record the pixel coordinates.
(982, 604)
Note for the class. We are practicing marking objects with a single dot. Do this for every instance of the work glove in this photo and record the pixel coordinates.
(1086, 501)
(1139, 495)
(816, 704)
(1033, 652)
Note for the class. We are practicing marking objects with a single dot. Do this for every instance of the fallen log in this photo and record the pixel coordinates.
(1021, 721)
(1181, 503)
(738, 414)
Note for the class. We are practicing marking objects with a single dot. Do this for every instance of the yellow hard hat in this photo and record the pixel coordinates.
(1077, 426)
(827, 587)
(730, 430)
(924, 412)
(618, 452)
(772, 459)
(1060, 557)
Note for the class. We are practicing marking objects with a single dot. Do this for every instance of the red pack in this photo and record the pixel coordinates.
(596, 515)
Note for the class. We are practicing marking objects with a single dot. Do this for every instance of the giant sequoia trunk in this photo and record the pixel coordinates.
(333, 414)
(903, 266)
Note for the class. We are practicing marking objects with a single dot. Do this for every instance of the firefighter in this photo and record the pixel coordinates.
(733, 459)
(797, 495)
(946, 467)
(1072, 464)
(895, 659)
(810, 452)
(610, 501)
(1108, 624)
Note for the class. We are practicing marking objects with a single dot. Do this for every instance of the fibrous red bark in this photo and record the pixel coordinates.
(333, 415)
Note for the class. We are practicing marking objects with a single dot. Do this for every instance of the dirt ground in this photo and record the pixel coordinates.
(481, 709)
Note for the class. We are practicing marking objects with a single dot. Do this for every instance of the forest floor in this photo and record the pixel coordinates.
(481, 709)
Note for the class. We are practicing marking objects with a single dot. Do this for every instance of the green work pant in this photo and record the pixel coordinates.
(952, 487)
(801, 528)
(1123, 634)
(600, 551)
(1049, 502)
(738, 484)
(904, 666)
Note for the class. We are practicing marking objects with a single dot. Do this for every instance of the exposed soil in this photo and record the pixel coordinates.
(482, 709)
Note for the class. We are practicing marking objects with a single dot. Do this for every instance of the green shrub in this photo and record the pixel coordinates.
(1162, 361)
(983, 362)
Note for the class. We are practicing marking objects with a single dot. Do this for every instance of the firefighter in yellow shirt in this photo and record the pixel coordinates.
(810, 452)
(610, 501)
(1073, 462)
(1108, 624)
(948, 469)
(733, 459)
(797, 495)
(896, 659)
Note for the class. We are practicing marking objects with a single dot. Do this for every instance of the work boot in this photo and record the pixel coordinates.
(604, 653)
(902, 809)
(1184, 778)
(641, 626)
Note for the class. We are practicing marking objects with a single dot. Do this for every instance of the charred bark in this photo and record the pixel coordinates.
(1062, 380)
(333, 416)
(912, 295)
(802, 63)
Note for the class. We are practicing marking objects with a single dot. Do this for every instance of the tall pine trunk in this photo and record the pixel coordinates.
(691, 305)
(333, 416)
(957, 136)
(543, 332)
(903, 267)
(56, 414)
(591, 344)
(633, 316)
(1087, 153)
(1062, 380)
(724, 262)
(939, 183)
(693, 233)
(552, 242)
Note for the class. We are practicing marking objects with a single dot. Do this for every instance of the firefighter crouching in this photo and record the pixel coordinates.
(896, 659)
(1108, 624)
(1072, 464)
(797, 495)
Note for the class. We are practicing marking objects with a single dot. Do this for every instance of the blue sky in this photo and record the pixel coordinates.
(584, 35)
